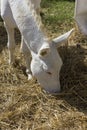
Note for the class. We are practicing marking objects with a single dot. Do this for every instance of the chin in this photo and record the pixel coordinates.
(52, 90)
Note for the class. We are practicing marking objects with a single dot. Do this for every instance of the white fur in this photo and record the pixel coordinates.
(0, 6)
(81, 15)
(46, 62)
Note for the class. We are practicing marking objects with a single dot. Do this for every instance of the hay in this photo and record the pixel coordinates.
(25, 106)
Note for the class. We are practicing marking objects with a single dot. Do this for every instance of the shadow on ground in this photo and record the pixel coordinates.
(74, 76)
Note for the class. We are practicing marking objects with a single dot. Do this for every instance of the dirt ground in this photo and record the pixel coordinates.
(25, 106)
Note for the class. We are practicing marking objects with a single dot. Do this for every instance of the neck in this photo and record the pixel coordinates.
(28, 23)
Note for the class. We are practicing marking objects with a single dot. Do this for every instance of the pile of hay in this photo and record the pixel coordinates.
(25, 106)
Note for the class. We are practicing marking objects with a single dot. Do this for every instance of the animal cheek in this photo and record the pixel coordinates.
(36, 70)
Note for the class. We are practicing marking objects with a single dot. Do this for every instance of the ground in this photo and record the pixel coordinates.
(23, 104)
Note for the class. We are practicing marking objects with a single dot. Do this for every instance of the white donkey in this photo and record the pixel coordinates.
(46, 62)
(81, 15)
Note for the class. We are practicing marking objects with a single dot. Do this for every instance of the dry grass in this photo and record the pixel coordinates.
(25, 106)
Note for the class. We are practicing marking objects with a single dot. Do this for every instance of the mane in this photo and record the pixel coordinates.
(37, 18)
(30, 26)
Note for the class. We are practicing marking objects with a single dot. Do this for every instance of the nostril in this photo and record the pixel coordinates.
(49, 73)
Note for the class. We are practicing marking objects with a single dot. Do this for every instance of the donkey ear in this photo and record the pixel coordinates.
(62, 38)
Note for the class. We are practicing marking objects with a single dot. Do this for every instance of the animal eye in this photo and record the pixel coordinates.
(49, 73)
(43, 53)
